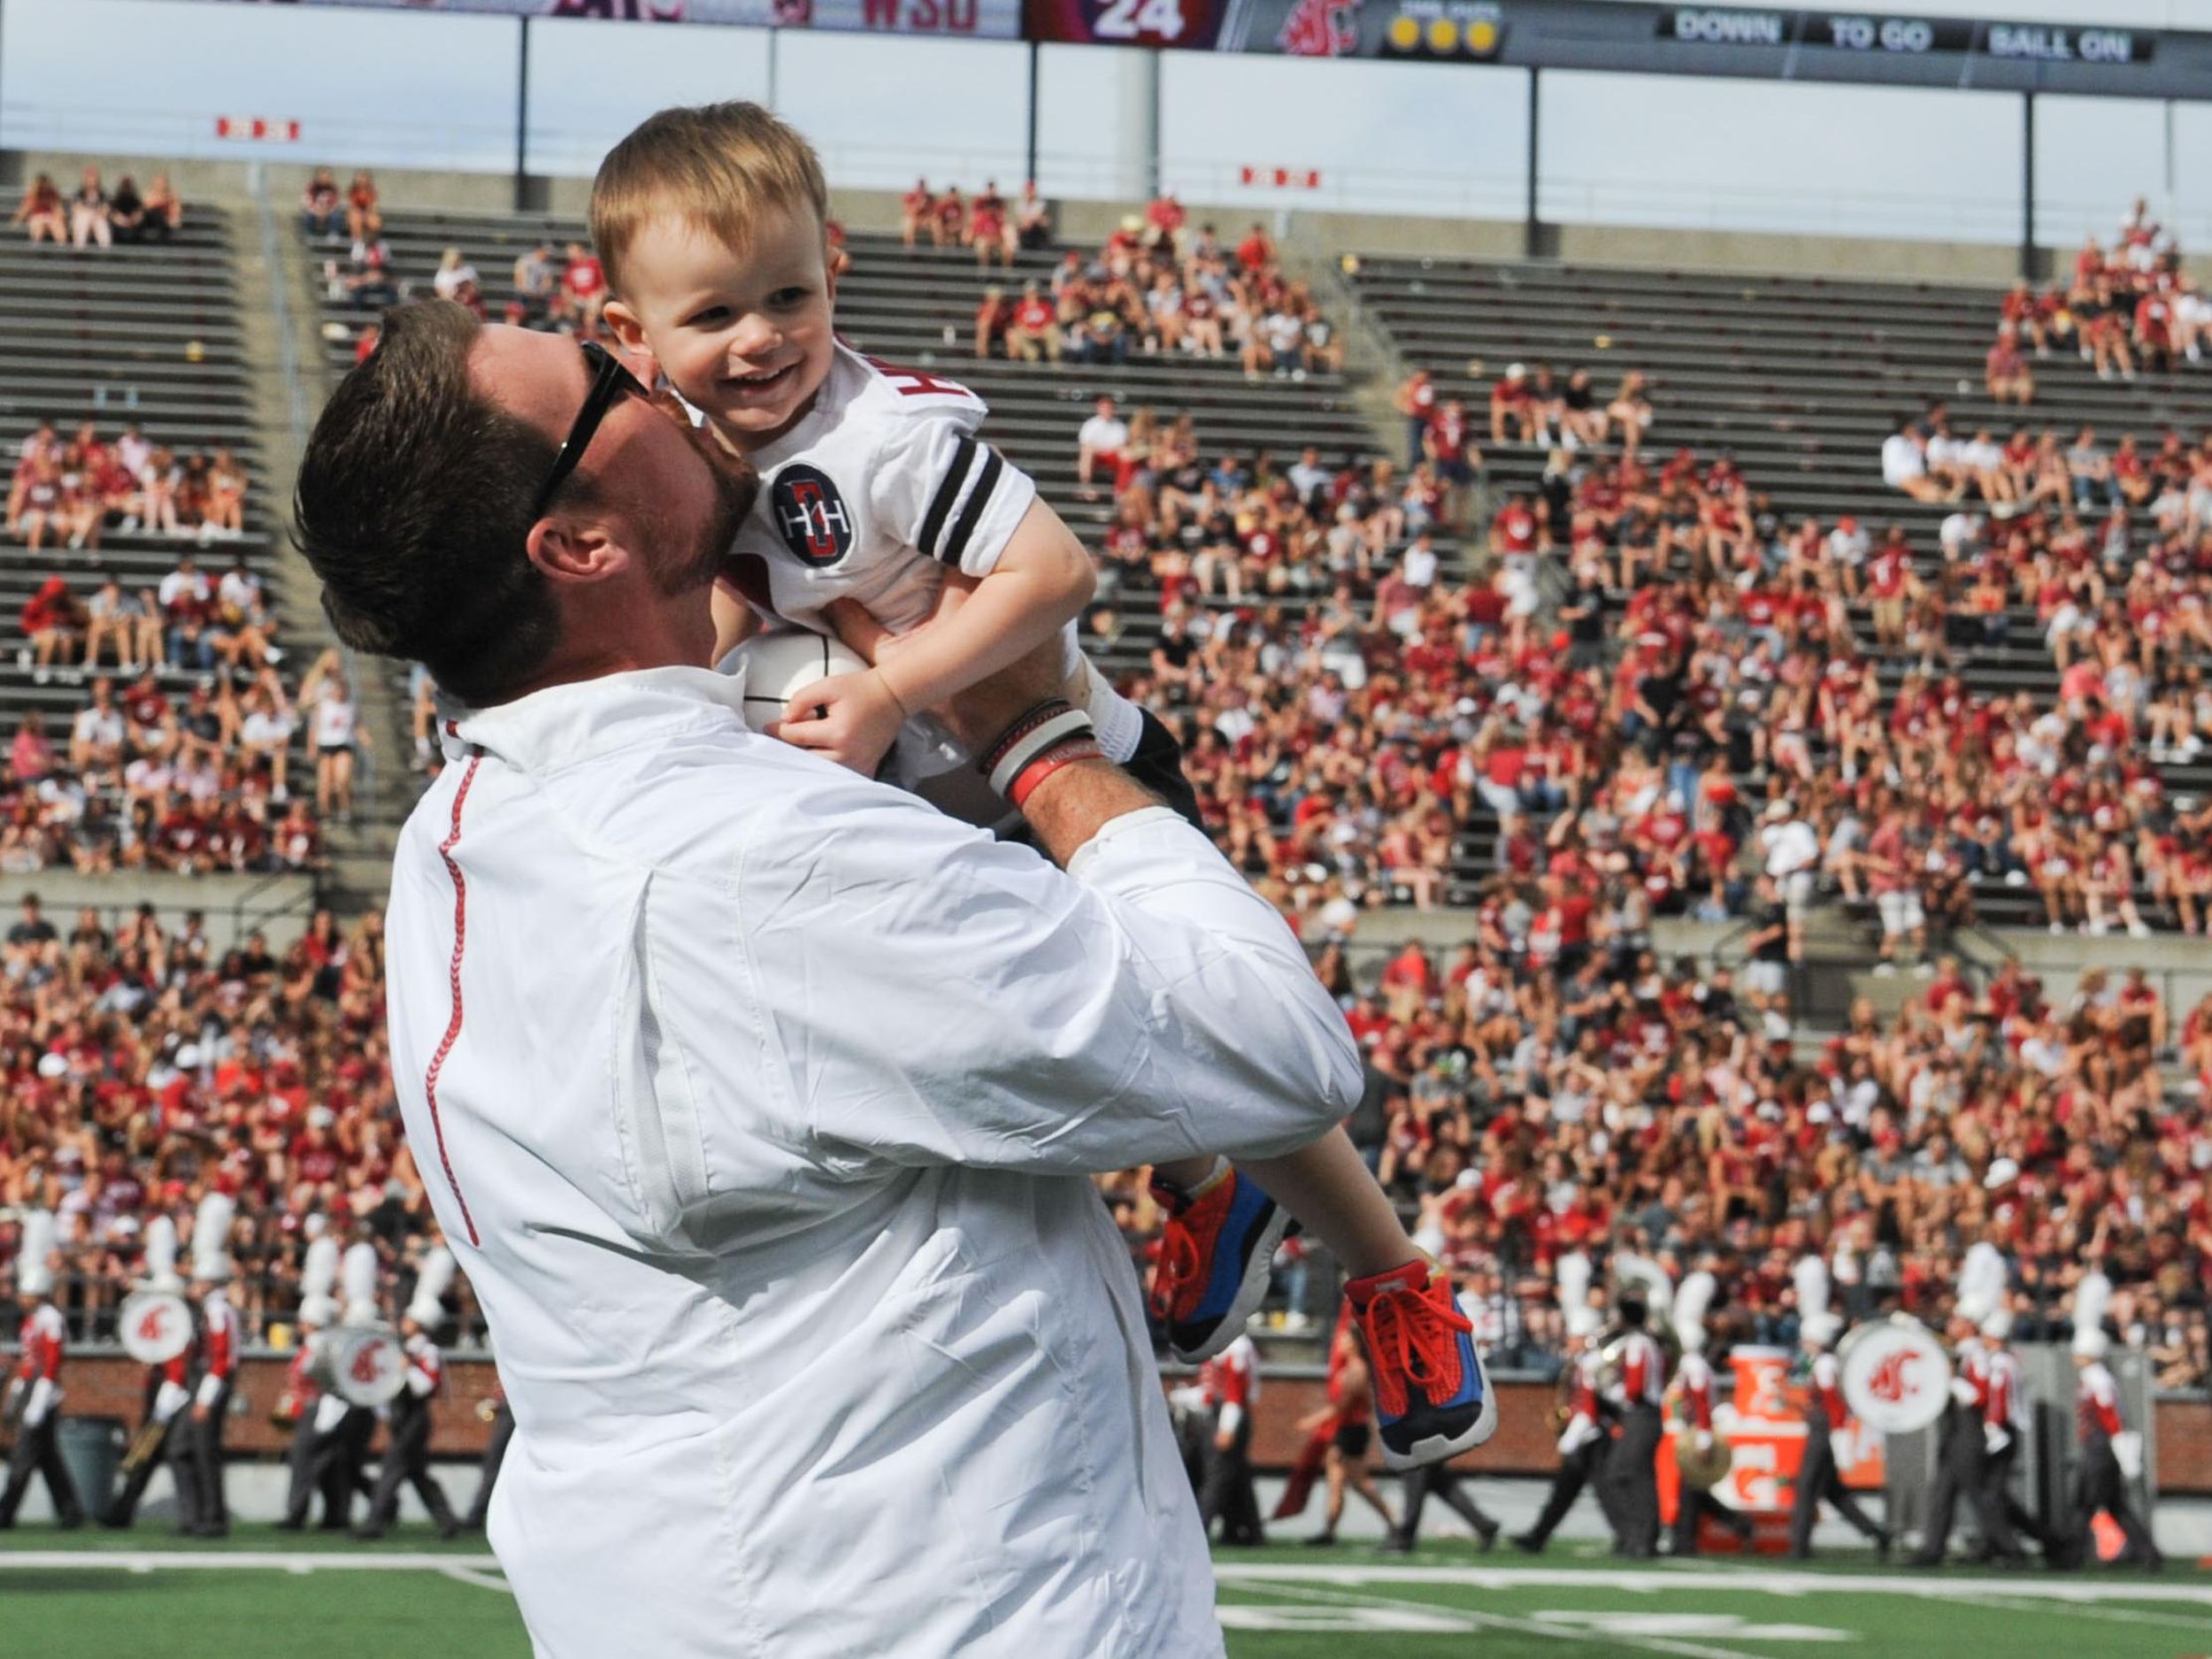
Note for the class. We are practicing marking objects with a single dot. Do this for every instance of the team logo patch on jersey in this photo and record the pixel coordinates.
(811, 516)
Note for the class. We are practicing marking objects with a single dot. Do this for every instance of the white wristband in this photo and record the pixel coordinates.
(1048, 734)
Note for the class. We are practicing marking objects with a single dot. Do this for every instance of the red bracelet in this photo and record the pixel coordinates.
(1037, 770)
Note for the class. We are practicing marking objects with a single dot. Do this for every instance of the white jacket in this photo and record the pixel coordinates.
(756, 1101)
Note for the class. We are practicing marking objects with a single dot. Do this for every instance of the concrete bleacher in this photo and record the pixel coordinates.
(144, 333)
(1799, 377)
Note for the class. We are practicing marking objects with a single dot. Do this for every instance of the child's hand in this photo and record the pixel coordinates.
(850, 718)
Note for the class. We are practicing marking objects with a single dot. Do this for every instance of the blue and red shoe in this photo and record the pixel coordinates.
(1213, 1271)
(1432, 1398)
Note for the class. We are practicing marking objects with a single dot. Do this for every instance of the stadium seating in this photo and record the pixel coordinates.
(1800, 379)
(144, 333)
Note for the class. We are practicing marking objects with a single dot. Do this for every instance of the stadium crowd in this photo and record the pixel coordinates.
(70, 492)
(1643, 672)
(2127, 308)
(94, 216)
(140, 1068)
(1156, 287)
(1661, 694)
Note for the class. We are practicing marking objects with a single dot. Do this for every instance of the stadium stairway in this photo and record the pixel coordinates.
(1799, 377)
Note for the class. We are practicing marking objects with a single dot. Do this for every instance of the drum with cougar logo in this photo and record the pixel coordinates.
(1896, 1374)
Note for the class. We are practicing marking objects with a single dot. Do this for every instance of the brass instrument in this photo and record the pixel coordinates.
(143, 1445)
(1703, 1470)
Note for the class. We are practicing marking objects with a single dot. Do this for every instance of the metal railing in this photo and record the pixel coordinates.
(560, 149)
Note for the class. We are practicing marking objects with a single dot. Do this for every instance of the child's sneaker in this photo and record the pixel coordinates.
(1432, 1398)
(1213, 1267)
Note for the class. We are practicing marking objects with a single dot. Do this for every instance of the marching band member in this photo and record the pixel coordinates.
(2004, 1424)
(1229, 1386)
(195, 1452)
(1630, 1485)
(1583, 1442)
(316, 1413)
(407, 1454)
(1692, 1391)
(165, 1391)
(352, 1427)
(1962, 1444)
(33, 1393)
(1818, 1480)
(2111, 1453)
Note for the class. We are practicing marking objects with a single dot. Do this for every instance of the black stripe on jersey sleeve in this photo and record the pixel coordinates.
(979, 498)
(948, 493)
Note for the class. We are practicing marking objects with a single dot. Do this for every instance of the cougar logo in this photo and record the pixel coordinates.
(149, 1327)
(1890, 1381)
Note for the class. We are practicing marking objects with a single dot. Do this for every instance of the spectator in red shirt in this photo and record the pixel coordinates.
(990, 230)
(917, 212)
(1034, 331)
(948, 219)
(2005, 372)
(994, 316)
(584, 287)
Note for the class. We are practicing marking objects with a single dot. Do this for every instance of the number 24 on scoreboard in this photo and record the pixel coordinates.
(1159, 22)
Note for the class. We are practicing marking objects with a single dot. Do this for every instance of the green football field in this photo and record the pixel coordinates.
(261, 1594)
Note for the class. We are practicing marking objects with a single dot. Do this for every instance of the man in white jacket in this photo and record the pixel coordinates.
(757, 1101)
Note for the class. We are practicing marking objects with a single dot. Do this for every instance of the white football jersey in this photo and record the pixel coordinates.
(879, 490)
(873, 496)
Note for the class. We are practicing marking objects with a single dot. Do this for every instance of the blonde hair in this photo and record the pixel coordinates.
(718, 166)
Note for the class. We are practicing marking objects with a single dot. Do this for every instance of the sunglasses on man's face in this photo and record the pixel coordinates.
(609, 381)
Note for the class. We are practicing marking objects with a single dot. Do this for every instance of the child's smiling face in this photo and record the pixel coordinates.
(745, 335)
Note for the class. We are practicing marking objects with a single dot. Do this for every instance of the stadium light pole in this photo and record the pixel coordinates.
(2027, 186)
(1532, 231)
(522, 114)
(1036, 51)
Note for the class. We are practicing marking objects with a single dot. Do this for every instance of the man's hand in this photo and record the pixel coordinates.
(850, 718)
(1224, 1440)
(199, 1411)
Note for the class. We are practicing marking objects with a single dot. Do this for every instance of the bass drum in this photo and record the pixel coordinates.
(368, 1366)
(1895, 1376)
(155, 1326)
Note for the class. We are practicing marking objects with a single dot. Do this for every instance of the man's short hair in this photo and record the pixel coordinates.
(414, 508)
(719, 166)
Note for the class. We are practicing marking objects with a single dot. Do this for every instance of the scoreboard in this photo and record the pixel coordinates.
(1833, 45)
(2090, 59)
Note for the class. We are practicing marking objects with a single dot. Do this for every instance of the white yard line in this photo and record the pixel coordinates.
(482, 1580)
(2113, 1614)
(1500, 1621)
(155, 1560)
(1777, 1582)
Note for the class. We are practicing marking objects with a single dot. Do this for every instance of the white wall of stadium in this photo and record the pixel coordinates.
(372, 87)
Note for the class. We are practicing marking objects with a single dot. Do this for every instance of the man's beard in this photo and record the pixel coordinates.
(735, 486)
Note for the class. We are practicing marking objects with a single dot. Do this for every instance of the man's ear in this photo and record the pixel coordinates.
(570, 548)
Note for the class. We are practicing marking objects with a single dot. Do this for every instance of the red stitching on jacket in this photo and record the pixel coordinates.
(453, 1025)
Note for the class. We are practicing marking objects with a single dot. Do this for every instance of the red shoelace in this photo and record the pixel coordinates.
(1413, 1336)
(1194, 1225)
